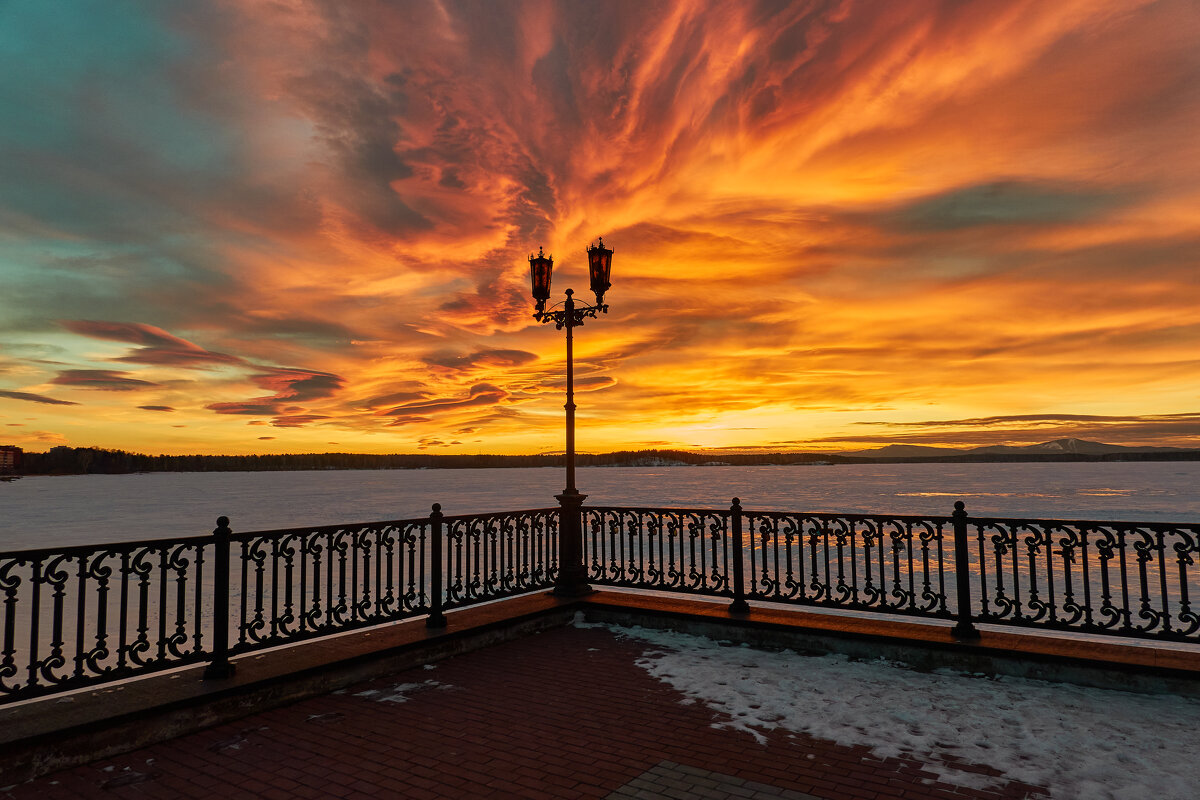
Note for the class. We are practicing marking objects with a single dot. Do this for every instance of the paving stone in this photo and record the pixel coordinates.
(679, 782)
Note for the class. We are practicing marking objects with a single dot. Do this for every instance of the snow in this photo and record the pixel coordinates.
(399, 692)
(1080, 742)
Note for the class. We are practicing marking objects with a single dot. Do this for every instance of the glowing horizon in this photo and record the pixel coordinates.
(247, 227)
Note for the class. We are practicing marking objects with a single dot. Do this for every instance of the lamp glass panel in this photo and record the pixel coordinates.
(540, 269)
(599, 268)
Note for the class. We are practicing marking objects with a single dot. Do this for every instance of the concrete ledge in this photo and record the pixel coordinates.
(47, 734)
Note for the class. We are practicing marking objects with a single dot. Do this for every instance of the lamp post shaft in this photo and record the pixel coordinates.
(572, 574)
(570, 404)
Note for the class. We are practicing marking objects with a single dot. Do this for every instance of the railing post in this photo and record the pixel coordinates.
(739, 604)
(965, 630)
(436, 618)
(220, 667)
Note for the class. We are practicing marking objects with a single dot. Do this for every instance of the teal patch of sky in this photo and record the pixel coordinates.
(88, 80)
(1005, 203)
(47, 279)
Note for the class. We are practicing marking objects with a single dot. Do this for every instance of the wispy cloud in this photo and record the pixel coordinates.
(103, 379)
(481, 394)
(291, 388)
(37, 398)
(157, 347)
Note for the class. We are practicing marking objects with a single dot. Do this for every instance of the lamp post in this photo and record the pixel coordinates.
(572, 574)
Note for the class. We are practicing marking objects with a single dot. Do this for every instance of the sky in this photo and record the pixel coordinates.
(264, 226)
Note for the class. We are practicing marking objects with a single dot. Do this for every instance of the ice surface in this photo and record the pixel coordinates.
(82, 509)
(1091, 744)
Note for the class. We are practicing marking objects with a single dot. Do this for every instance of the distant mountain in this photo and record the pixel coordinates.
(1074, 446)
(1056, 447)
(904, 451)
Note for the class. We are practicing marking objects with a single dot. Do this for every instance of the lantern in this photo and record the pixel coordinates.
(540, 267)
(599, 266)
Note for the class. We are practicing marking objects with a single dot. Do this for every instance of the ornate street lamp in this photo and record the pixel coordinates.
(572, 575)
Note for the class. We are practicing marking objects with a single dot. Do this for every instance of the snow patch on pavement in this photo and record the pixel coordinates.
(1080, 742)
(580, 621)
(399, 693)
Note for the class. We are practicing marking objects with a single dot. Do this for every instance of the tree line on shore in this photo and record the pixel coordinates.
(92, 460)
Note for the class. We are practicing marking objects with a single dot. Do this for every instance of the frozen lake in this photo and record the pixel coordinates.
(81, 509)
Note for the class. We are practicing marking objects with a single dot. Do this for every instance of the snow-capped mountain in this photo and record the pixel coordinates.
(1058, 446)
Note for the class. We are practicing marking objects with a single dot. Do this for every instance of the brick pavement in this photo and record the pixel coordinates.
(561, 714)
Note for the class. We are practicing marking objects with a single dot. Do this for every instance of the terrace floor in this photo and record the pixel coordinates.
(560, 714)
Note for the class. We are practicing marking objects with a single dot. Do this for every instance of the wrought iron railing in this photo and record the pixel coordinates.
(1126, 578)
(79, 616)
(893, 564)
(305, 582)
(489, 556)
(90, 614)
(1129, 579)
(685, 550)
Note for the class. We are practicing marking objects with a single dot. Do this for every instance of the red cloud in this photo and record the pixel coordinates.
(481, 358)
(296, 420)
(290, 386)
(481, 394)
(158, 347)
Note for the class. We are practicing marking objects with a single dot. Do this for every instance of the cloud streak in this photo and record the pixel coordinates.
(157, 347)
(105, 380)
(37, 398)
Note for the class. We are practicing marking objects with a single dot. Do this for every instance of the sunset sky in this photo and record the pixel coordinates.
(264, 226)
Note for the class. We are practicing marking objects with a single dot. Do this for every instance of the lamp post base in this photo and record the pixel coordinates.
(965, 632)
(572, 574)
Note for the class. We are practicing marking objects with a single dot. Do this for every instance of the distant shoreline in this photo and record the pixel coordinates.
(83, 461)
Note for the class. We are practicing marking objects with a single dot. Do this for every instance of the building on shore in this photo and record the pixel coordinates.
(11, 457)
